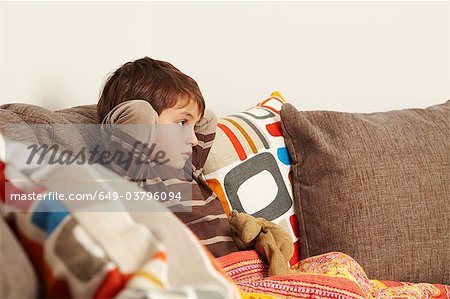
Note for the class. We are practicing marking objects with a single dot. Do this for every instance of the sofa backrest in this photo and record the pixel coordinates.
(76, 133)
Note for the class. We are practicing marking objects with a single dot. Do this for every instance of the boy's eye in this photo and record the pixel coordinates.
(182, 123)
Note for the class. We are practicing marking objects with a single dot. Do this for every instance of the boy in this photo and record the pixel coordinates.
(174, 96)
(154, 93)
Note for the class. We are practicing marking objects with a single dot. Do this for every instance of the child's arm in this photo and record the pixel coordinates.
(205, 130)
(130, 123)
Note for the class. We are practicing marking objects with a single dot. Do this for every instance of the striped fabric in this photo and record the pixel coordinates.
(203, 214)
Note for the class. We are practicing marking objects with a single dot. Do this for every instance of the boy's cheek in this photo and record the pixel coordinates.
(174, 135)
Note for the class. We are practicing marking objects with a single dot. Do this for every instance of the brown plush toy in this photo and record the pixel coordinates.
(267, 238)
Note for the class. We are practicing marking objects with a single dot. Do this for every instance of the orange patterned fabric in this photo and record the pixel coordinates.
(331, 275)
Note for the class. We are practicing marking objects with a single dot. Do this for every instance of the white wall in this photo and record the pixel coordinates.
(347, 56)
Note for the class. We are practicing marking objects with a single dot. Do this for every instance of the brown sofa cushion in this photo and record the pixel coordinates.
(77, 133)
(374, 186)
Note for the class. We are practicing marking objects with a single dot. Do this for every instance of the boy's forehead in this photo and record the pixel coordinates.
(190, 109)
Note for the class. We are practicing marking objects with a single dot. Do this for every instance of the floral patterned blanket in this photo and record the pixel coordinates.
(331, 275)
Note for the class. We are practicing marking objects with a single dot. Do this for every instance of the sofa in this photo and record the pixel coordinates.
(374, 186)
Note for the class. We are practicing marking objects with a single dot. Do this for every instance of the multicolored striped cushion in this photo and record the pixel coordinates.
(248, 166)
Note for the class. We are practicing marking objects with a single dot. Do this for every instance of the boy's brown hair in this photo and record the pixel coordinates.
(155, 81)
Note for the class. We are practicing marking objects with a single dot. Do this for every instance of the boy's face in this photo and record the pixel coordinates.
(175, 134)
